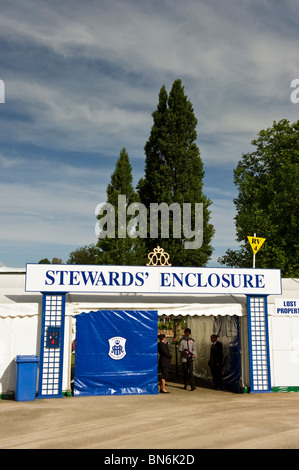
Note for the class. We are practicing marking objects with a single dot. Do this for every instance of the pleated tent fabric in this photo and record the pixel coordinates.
(116, 353)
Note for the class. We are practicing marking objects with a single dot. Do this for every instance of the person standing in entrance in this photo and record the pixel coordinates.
(187, 350)
(164, 362)
(216, 361)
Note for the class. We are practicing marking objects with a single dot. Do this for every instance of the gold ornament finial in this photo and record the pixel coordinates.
(158, 258)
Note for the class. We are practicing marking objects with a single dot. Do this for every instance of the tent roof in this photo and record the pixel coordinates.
(290, 289)
(171, 304)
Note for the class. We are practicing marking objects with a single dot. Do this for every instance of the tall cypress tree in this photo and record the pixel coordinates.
(121, 249)
(174, 173)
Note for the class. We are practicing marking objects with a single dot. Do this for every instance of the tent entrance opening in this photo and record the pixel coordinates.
(227, 328)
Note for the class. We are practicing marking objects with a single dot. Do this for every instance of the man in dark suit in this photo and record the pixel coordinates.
(216, 362)
(164, 362)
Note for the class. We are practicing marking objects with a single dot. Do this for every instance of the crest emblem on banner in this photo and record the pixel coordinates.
(117, 347)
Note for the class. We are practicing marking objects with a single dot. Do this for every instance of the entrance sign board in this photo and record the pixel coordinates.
(155, 279)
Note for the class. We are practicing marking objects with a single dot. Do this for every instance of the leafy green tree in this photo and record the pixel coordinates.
(54, 261)
(122, 248)
(268, 201)
(174, 173)
(84, 255)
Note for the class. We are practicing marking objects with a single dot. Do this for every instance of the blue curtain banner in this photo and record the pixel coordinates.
(116, 353)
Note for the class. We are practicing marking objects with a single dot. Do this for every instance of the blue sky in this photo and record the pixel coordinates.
(81, 81)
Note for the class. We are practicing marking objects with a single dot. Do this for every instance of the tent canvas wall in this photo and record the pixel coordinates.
(283, 318)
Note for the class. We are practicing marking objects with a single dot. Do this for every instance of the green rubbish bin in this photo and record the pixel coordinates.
(26, 377)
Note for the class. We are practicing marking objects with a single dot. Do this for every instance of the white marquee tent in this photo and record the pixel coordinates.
(20, 324)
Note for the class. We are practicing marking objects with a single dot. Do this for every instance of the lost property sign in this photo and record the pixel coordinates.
(287, 307)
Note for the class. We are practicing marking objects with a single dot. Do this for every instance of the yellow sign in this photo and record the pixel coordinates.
(255, 243)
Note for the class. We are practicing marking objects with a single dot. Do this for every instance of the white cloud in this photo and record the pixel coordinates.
(51, 214)
(229, 67)
(222, 215)
(7, 162)
(84, 77)
(59, 119)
